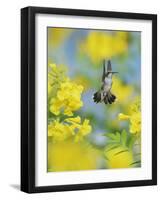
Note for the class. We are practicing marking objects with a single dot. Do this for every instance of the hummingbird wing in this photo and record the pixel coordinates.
(109, 67)
(104, 71)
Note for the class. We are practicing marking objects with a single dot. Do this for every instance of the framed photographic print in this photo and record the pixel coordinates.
(88, 99)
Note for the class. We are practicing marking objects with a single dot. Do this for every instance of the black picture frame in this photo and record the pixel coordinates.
(28, 98)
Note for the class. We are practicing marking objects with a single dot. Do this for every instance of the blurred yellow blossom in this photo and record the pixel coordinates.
(57, 36)
(119, 157)
(70, 156)
(134, 117)
(122, 91)
(68, 98)
(81, 80)
(101, 45)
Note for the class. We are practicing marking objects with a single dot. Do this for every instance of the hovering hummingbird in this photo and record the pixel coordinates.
(104, 94)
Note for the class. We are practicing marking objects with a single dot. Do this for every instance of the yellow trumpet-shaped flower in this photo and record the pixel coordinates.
(84, 130)
(70, 127)
(134, 117)
(80, 130)
(59, 131)
(101, 45)
(73, 120)
(71, 156)
(121, 116)
(68, 99)
(135, 123)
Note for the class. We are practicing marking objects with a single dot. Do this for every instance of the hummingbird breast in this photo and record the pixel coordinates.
(107, 84)
(108, 81)
(106, 88)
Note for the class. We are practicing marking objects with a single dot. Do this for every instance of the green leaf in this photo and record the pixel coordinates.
(118, 136)
(119, 152)
(124, 137)
(114, 137)
(111, 148)
(131, 142)
(110, 136)
(136, 162)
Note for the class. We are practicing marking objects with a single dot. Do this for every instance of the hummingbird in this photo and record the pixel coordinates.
(104, 94)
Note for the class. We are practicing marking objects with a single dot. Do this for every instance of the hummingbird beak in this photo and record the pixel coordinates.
(114, 72)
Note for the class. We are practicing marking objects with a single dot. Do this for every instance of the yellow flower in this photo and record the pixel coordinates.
(74, 120)
(119, 157)
(134, 117)
(68, 99)
(70, 127)
(122, 91)
(135, 106)
(121, 116)
(56, 74)
(84, 130)
(135, 123)
(71, 156)
(59, 131)
(101, 45)
(79, 130)
(55, 106)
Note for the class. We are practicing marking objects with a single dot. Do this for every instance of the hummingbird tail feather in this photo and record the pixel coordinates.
(97, 97)
(109, 98)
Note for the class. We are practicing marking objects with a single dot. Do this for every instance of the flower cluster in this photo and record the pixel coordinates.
(64, 97)
(56, 75)
(70, 127)
(101, 45)
(134, 117)
(67, 132)
(68, 98)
